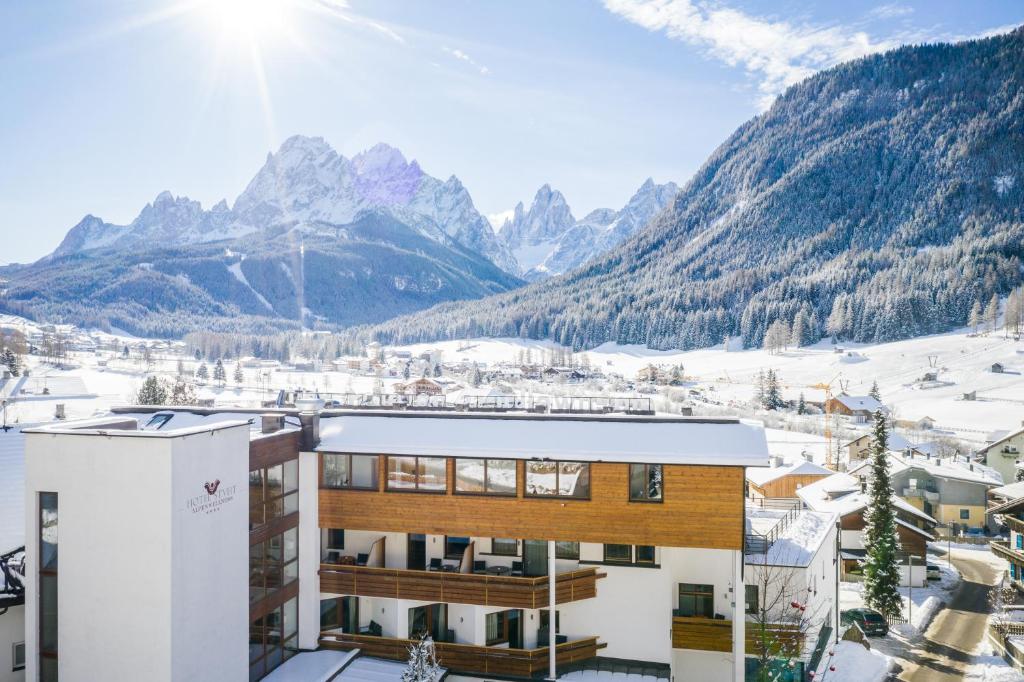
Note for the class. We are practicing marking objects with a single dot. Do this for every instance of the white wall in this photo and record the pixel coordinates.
(309, 551)
(12, 629)
(163, 589)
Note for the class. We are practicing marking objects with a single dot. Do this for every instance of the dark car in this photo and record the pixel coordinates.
(869, 620)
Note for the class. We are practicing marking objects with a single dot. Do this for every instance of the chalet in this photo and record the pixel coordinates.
(653, 374)
(952, 491)
(784, 481)
(846, 496)
(858, 407)
(1011, 514)
(423, 386)
(859, 449)
(1003, 453)
(997, 368)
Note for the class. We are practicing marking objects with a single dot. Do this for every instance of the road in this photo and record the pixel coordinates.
(944, 652)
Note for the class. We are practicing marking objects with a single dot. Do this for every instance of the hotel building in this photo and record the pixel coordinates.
(196, 544)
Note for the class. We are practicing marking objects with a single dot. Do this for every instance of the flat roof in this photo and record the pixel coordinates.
(611, 438)
(128, 426)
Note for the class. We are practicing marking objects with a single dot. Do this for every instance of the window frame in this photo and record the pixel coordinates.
(746, 599)
(695, 593)
(349, 457)
(415, 489)
(965, 514)
(49, 571)
(558, 475)
(456, 557)
(504, 631)
(646, 469)
(485, 491)
(570, 556)
(276, 506)
(515, 548)
(15, 647)
(624, 562)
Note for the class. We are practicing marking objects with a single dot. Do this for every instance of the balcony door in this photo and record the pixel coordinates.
(535, 557)
(431, 619)
(417, 552)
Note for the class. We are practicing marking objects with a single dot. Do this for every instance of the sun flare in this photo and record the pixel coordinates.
(248, 21)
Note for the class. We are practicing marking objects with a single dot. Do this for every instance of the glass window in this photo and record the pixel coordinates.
(274, 480)
(48, 530)
(490, 476)
(291, 618)
(454, 547)
(497, 626)
(567, 550)
(645, 483)
(48, 617)
(965, 514)
(290, 475)
(429, 474)
(618, 553)
(558, 479)
(696, 600)
(48, 612)
(751, 598)
(504, 546)
(18, 656)
(350, 471)
(645, 554)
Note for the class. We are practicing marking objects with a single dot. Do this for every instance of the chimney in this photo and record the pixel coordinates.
(310, 422)
(271, 422)
(59, 413)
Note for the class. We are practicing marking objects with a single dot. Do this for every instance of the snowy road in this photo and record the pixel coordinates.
(945, 652)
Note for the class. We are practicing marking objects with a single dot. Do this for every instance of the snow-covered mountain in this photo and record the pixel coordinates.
(304, 183)
(547, 240)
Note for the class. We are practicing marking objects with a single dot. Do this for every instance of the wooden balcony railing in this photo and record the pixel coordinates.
(708, 634)
(1013, 524)
(468, 658)
(460, 588)
(1001, 548)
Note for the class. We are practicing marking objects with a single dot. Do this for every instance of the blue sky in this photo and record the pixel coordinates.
(105, 104)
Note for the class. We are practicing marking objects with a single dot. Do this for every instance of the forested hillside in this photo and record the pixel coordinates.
(877, 200)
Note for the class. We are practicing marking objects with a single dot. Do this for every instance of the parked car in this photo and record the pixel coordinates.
(932, 572)
(869, 620)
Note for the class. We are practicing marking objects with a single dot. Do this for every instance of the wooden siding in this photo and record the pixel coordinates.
(274, 449)
(786, 486)
(467, 658)
(460, 588)
(707, 634)
(702, 507)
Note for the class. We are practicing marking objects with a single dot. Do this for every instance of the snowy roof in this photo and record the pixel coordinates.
(180, 419)
(312, 666)
(583, 438)
(109, 426)
(799, 542)
(971, 472)
(840, 493)
(759, 476)
(1012, 491)
(860, 402)
(367, 669)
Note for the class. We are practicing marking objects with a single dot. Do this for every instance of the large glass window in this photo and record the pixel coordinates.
(455, 547)
(567, 550)
(425, 474)
(504, 546)
(350, 471)
(618, 553)
(273, 639)
(485, 476)
(750, 598)
(48, 587)
(273, 492)
(696, 600)
(645, 483)
(558, 479)
(273, 564)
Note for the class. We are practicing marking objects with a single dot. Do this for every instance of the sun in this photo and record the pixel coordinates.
(248, 21)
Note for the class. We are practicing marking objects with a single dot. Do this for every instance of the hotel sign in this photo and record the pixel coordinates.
(214, 497)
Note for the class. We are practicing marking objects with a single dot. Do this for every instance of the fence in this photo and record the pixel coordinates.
(759, 543)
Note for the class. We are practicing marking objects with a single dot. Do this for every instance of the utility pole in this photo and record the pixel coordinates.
(910, 598)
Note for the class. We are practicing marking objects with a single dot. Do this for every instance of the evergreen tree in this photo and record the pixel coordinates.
(974, 318)
(474, 377)
(874, 392)
(799, 334)
(992, 313)
(182, 392)
(238, 377)
(772, 397)
(153, 392)
(881, 568)
(125, 351)
(405, 371)
(437, 369)
(11, 361)
(181, 368)
(219, 375)
(198, 355)
(801, 406)
(759, 389)
(423, 665)
(202, 373)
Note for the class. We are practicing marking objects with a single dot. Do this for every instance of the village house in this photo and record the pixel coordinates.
(859, 408)
(1003, 453)
(422, 386)
(782, 481)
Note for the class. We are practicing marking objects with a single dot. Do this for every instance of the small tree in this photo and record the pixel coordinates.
(974, 319)
(423, 665)
(11, 361)
(153, 392)
(881, 568)
(202, 373)
(437, 370)
(181, 367)
(182, 392)
(874, 392)
(474, 377)
(772, 399)
(405, 371)
(198, 355)
(992, 313)
(219, 374)
(238, 377)
(801, 406)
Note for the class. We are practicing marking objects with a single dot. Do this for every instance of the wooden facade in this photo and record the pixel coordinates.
(273, 449)
(786, 486)
(911, 542)
(702, 507)
(467, 658)
(710, 634)
(460, 588)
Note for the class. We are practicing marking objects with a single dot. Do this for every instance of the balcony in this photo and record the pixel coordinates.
(1002, 549)
(1013, 524)
(468, 658)
(929, 494)
(713, 634)
(459, 588)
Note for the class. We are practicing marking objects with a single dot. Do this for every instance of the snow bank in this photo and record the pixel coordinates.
(924, 613)
(991, 669)
(854, 663)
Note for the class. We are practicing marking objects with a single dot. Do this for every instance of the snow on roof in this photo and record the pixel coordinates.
(1012, 491)
(912, 527)
(313, 666)
(368, 669)
(840, 493)
(606, 438)
(180, 419)
(948, 468)
(860, 402)
(759, 476)
(799, 542)
(109, 426)
(607, 676)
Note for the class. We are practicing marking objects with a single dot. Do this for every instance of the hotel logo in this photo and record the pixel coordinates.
(211, 488)
(213, 500)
